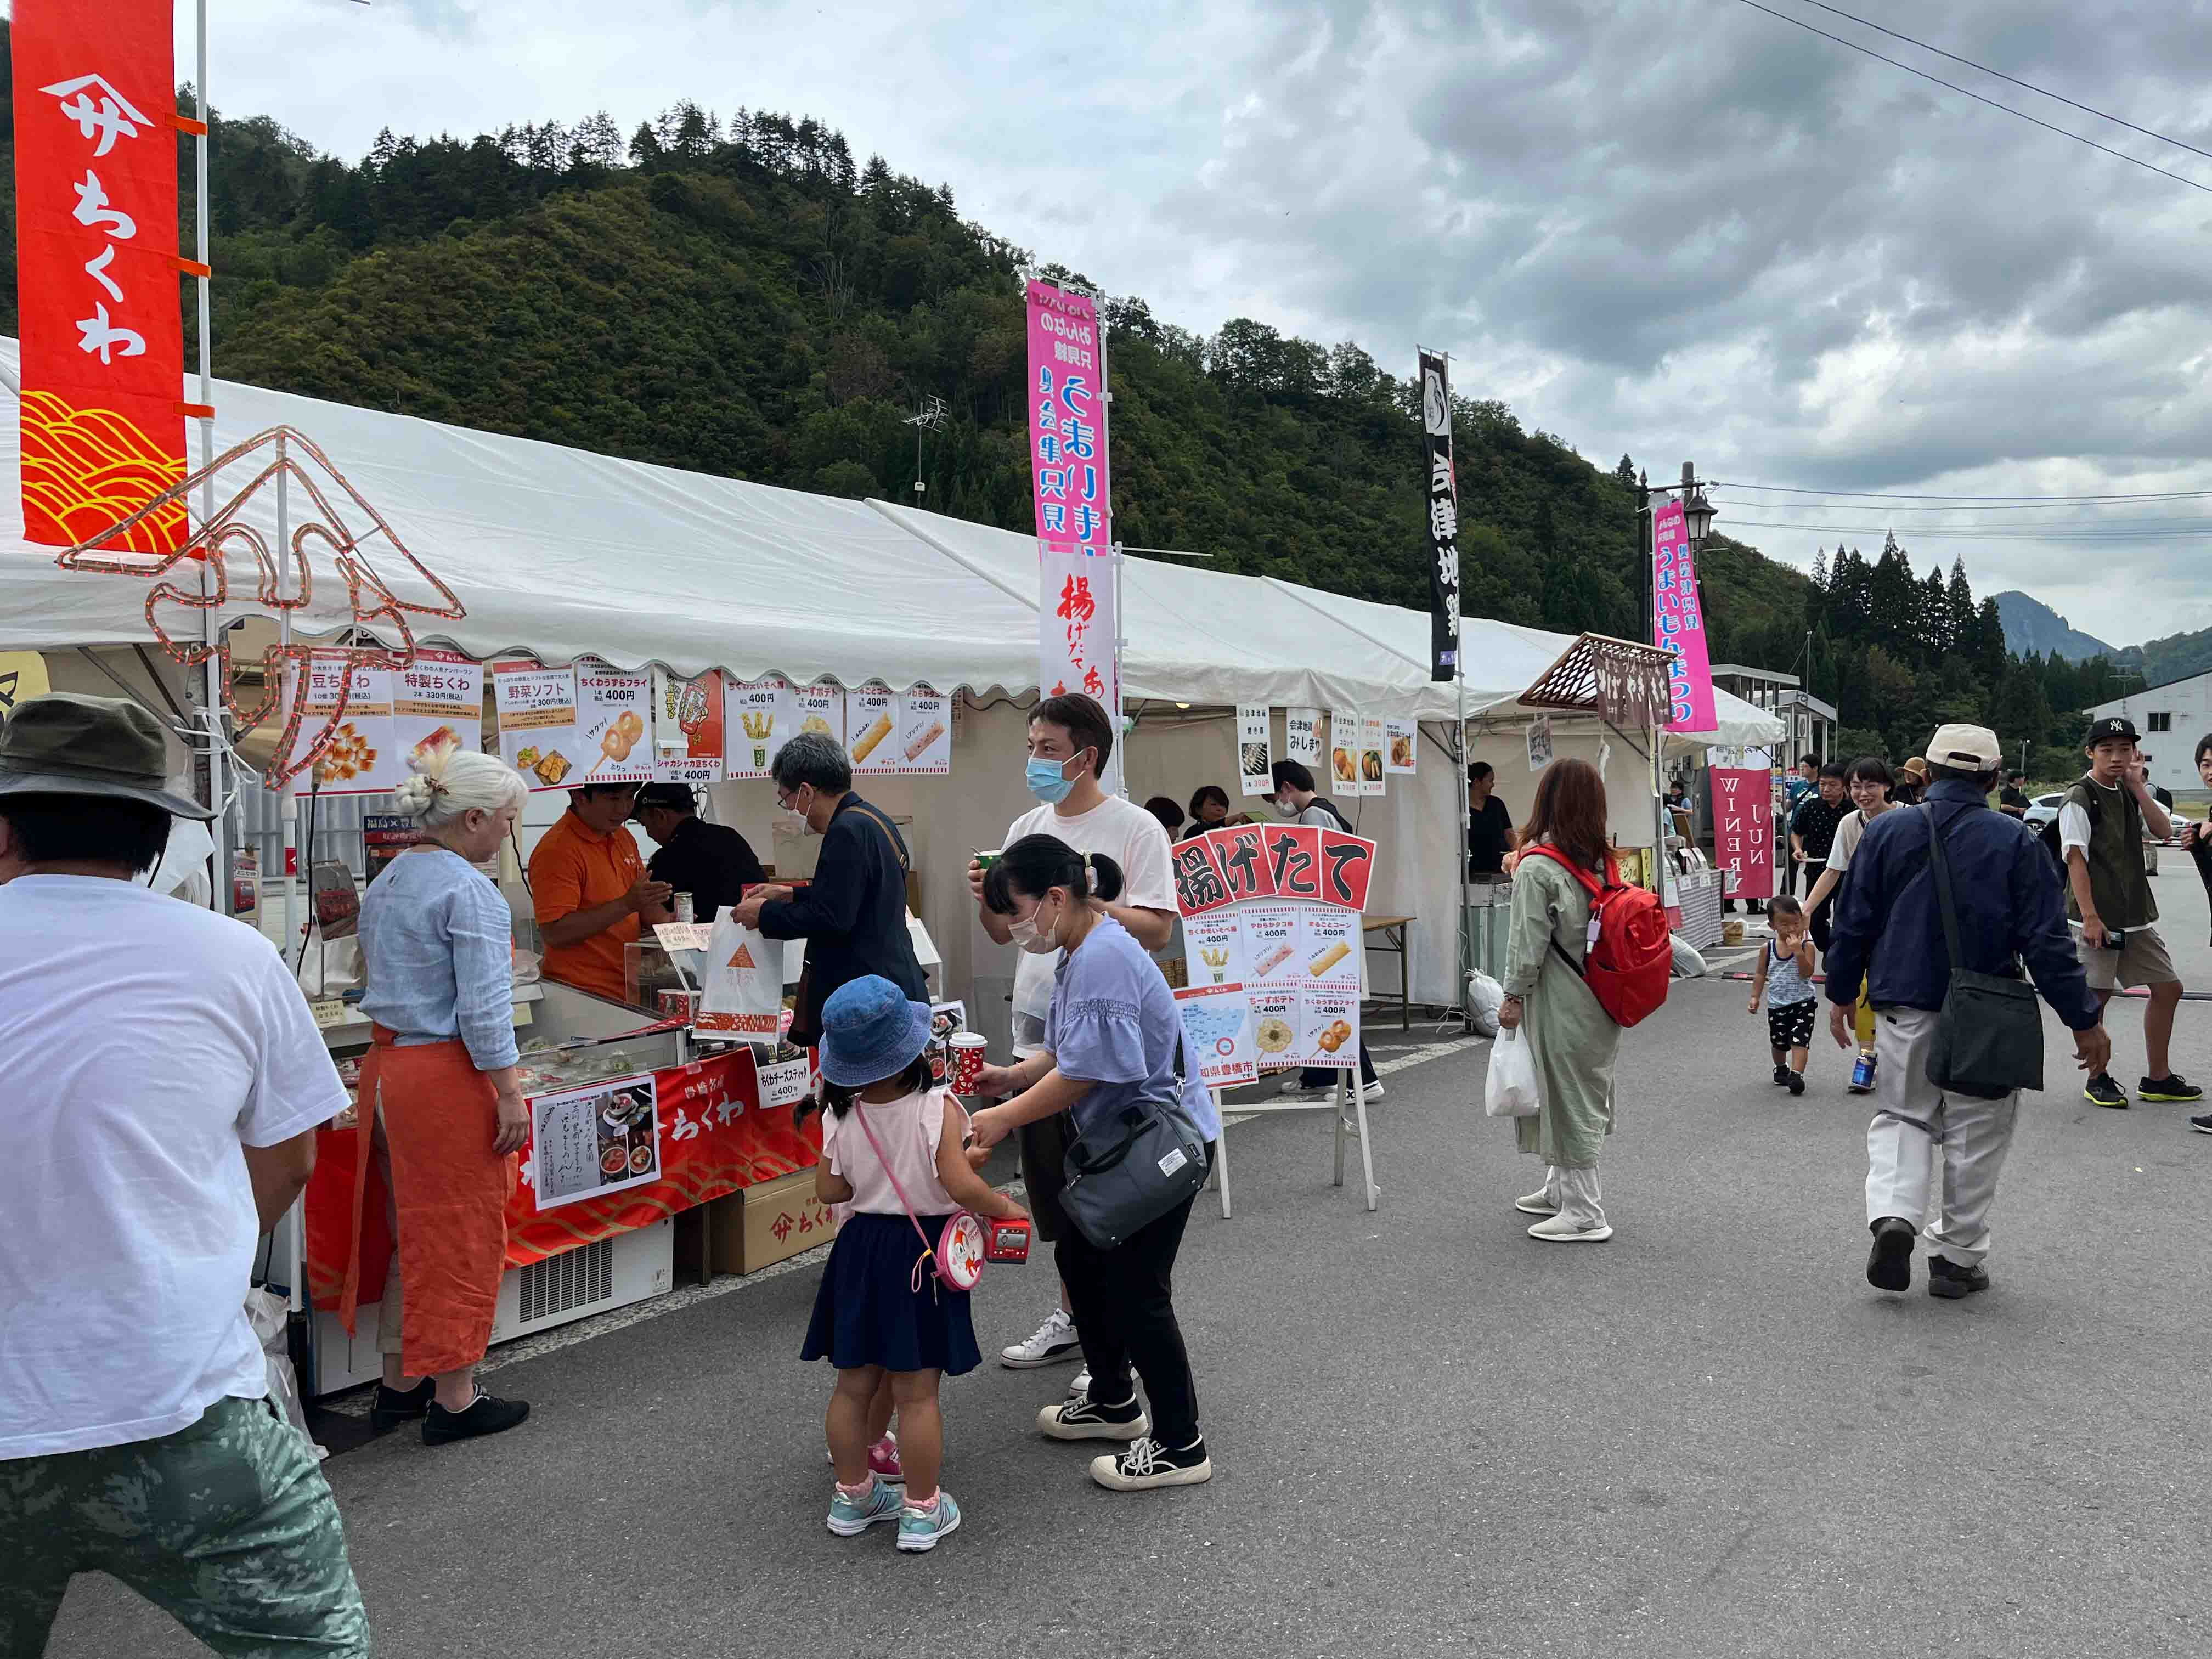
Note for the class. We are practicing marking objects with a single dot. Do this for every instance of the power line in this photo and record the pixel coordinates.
(1880, 496)
(2048, 126)
(2183, 529)
(1887, 513)
(2027, 86)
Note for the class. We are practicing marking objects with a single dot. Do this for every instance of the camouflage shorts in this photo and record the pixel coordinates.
(228, 1526)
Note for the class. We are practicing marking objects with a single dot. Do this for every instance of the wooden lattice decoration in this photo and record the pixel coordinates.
(1617, 680)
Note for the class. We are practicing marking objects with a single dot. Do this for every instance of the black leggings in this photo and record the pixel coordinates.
(1123, 1300)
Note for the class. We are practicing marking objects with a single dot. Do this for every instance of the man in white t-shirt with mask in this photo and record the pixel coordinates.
(1071, 737)
(164, 1084)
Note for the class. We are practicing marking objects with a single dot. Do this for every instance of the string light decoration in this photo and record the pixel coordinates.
(371, 599)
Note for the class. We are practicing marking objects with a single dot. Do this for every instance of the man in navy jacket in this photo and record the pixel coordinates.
(1888, 928)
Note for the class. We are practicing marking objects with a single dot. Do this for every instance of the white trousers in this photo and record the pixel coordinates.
(1575, 1193)
(1932, 1159)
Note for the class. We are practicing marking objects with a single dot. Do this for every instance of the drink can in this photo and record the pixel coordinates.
(966, 1061)
(1863, 1071)
(685, 910)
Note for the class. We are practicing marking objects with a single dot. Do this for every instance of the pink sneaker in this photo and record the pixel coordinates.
(882, 1460)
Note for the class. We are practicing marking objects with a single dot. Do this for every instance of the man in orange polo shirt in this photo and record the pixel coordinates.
(589, 885)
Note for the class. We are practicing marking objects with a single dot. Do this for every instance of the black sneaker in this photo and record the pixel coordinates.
(2103, 1091)
(1148, 1464)
(1782, 1076)
(1889, 1265)
(1087, 1420)
(2202, 1123)
(2171, 1086)
(394, 1407)
(1796, 1081)
(1948, 1279)
(485, 1414)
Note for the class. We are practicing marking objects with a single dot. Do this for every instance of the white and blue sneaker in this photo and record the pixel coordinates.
(851, 1517)
(921, 1528)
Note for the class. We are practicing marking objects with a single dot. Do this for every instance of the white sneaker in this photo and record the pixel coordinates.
(1292, 1085)
(1081, 1386)
(1053, 1341)
(1560, 1231)
(1536, 1203)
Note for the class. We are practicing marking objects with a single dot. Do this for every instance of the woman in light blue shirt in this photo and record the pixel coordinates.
(439, 1095)
(1111, 1040)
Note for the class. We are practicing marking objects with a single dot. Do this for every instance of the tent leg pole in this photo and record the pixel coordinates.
(1366, 1150)
(1336, 1113)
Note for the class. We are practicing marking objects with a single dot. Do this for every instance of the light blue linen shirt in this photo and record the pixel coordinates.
(437, 941)
(1113, 1024)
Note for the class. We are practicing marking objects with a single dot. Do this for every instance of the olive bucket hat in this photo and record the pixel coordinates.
(66, 743)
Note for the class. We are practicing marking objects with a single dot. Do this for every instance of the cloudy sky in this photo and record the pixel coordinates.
(1679, 229)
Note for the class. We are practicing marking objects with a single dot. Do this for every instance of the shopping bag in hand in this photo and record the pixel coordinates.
(741, 995)
(1511, 1090)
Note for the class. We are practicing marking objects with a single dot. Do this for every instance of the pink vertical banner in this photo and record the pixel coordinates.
(1678, 623)
(1076, 624)
(1066, 429)
(1743, 831)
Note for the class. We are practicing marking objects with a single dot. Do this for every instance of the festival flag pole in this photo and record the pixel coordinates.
(213, 690)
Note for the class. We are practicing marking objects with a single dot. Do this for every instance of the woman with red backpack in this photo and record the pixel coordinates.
(1572, 1036)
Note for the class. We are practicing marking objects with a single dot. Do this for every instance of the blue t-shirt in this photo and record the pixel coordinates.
(1113, 1024)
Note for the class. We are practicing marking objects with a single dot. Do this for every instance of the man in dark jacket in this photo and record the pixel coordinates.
(1889, 928)
(852, 913)
(711, 862)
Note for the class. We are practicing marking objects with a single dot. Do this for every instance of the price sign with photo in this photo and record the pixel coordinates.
(614, 717)
(1370, 754)
(759, 719)
(820, 709)
(872, 718)
(1343, 778)
(537, 709)
(925, 732)
(688, 727)
(1401, 742)
(1255, 752)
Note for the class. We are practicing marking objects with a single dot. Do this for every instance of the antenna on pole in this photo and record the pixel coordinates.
(929, 416)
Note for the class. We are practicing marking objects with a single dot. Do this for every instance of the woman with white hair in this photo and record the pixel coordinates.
(440, 1096)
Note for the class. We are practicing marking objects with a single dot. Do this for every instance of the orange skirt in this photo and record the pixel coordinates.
(449, 1193)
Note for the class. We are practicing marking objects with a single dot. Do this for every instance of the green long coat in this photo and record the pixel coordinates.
(1573, 1041)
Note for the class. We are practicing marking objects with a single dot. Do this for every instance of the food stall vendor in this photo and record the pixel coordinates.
(852, 914)
(711, 862)
(591, 891)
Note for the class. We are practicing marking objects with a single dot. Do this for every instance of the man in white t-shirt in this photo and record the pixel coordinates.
(1071, 737)
(165, 1081)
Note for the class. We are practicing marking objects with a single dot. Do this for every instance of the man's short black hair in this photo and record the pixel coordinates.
(1294, 774)
(1809, 760)
(1937, 774)
(1838, 771)
(85, 829)
(811, 758)
(2204, 748)
(1478, 771)
(593, 790)
(1086, 721)
(2015, 777)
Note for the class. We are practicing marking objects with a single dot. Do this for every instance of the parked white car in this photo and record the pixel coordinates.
(2044, 808)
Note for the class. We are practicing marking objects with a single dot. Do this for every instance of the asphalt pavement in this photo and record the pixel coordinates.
(1706, 1438)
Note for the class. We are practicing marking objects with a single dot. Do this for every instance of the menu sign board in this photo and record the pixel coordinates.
(613, 710)
(688, 728)
(537, 711)
(1343, 751)
(1370, 754)
(925, 732)
(1302, 737)
(1272, 927)
(819, 708)
(1401, 743)
(588, 1142)
(1255, 753)
(359, 760)
(760, 717)
(872, 718)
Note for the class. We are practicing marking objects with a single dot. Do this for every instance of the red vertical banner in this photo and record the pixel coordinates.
(103, 347)
(1743, 831)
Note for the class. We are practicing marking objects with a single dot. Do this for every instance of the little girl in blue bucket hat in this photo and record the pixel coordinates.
(881, 1310)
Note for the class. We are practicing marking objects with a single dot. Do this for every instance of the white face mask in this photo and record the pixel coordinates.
(1289, 809)
(1025, 932)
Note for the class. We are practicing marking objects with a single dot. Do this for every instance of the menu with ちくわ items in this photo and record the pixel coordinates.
(437, 708)
(362, 758)
(688, 728)
(614, 716)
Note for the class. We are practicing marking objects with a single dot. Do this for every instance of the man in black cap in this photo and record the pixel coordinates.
(2101, 825)
(164, 1082)
(712, 862)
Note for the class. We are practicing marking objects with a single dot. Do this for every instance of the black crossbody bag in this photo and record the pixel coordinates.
(1988, 1033)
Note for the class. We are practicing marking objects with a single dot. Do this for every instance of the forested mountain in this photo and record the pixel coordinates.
(745, 297)
(2032, 625)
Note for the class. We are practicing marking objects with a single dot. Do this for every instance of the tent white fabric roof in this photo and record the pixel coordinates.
(563, 553)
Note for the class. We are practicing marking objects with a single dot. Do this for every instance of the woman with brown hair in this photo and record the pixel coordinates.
(1572, 1040)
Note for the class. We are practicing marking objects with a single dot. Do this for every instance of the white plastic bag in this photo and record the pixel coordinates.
(742, 995)
(270, 1316)
(1484, 997)
(1511, 1090)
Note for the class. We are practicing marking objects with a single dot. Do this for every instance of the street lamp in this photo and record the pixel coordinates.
(1697, 511)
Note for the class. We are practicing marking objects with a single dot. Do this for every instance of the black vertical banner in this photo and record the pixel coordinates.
(1442, 518)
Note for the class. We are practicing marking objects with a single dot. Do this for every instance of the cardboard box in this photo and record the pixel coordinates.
(767, 1223)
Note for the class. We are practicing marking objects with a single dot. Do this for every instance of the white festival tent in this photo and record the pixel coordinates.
(560, 553)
